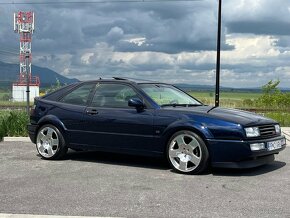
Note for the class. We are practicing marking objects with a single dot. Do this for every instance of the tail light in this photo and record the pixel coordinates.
(32, 109)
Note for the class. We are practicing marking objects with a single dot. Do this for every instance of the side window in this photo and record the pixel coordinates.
(113, 95)
(78, 96)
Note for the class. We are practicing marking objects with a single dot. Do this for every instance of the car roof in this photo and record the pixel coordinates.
(124, 79)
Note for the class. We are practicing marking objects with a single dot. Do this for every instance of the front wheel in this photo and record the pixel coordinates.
(50, 143)
(187, 153)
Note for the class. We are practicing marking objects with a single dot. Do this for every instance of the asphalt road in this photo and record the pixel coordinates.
(102, 184)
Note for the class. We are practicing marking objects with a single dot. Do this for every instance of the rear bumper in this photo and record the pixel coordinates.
(237, 153)
(32, 128)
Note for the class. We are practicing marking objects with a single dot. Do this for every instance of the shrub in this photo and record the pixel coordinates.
(14, 124)
(282, 118)
(248, 102)
(6, 97)
(273, 98)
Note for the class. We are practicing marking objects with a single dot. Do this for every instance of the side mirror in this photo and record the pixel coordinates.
(136, 103)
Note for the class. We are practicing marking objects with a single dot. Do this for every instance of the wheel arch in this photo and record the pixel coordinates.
(52, 120)
(170, 132)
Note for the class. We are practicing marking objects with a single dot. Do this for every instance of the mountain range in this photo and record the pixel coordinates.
(9, 73)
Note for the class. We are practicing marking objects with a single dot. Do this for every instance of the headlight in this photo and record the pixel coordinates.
(277, 129)
(252, 132)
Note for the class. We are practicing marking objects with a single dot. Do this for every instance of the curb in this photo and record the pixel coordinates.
(16, 139)
(4, 215)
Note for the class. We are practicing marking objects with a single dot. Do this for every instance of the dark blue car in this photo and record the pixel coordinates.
(150, 118)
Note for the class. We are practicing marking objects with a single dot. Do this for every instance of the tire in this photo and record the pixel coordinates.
(187, 153)
(50, 143)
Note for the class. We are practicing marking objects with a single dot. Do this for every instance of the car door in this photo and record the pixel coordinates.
(111, 124)
(70, 110)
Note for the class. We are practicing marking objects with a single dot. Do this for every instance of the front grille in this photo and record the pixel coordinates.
(267, 130)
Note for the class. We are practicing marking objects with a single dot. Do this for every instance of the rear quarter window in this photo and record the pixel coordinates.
(55, 95)
(78, 96)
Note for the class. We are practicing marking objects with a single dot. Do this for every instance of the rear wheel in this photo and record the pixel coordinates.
(187, 153)
(50, 143)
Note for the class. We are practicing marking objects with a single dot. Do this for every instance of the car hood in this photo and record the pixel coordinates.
(244, 118)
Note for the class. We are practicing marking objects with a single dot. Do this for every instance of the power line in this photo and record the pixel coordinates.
(95, 2)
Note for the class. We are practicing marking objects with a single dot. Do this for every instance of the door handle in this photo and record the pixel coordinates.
(92, 111)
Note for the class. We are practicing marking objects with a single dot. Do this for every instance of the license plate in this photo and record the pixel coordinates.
(275, 144)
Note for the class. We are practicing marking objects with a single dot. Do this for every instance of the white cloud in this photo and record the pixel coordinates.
(250, 48)
(85, 58)
(139, 41)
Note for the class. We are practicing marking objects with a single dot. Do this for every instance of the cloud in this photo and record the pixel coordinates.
(259, 27)
(171, 42)
(115, 34)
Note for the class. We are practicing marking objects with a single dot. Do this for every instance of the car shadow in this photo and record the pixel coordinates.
(248, 172)
(162, 164)
(118, 159)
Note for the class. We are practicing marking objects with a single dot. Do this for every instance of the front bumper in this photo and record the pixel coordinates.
(237, 153)
(32, 128)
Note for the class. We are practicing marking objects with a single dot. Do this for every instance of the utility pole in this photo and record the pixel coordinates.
(218, 56)
(27, 56)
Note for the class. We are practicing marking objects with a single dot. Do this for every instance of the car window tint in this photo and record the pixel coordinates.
(78, 96)
(113, 95)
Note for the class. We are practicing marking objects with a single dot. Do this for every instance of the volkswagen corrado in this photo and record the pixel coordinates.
(151, 118)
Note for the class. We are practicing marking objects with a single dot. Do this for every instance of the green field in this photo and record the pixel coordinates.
(2, 94)
(227, 95)
(227, 99)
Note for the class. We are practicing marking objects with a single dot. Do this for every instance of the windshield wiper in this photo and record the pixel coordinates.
(180, 105)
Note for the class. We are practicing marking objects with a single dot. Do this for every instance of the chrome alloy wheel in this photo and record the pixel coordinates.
(185, 152)
(47, 142)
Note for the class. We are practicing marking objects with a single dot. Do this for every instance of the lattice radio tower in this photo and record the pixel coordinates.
(24, 25)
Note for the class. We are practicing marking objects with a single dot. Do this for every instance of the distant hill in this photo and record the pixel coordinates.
(192, 87)
(10, 72)
(201, 88)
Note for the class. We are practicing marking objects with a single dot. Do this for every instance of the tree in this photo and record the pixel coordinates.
(271, 87)
(272, 96)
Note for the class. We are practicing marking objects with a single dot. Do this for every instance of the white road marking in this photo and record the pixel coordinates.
(6, 215)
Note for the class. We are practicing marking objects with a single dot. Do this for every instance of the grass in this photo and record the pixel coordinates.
(13, 104)
(13, 123)
(282, 117)
(227, 95)
(227, 99)
(3, 93)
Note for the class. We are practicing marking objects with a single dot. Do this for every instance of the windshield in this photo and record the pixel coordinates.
(167, 95)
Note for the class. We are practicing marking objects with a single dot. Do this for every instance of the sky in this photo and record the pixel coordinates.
(171, 41)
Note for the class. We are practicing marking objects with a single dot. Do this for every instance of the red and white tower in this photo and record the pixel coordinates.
(24, 25)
